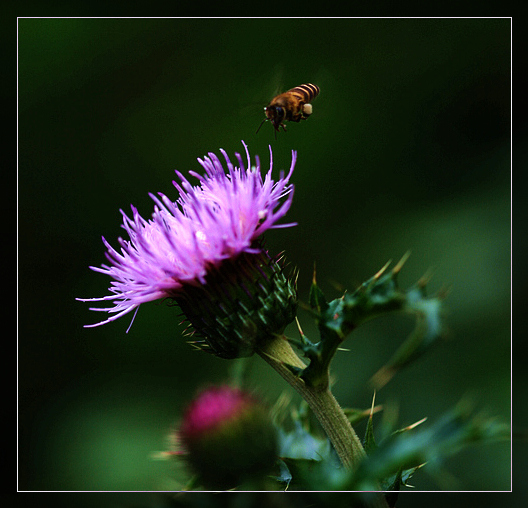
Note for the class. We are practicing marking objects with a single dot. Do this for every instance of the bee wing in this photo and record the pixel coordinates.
(258, 94)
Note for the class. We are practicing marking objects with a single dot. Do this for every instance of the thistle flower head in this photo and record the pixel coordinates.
(213, 223)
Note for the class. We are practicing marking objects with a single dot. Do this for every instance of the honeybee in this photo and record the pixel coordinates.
(292, 106)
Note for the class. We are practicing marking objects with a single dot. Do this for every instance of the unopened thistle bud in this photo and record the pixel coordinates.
(228, 437)
(204, 252)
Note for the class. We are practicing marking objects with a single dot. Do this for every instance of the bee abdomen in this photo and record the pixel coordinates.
(305, 92)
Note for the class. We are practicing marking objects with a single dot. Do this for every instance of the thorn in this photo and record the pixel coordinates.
(425, 278)
(164, 455)
(444, 292)
(304, 339)
(337, 286)
(401, 262)
(280, 258)
(373, 401)
(304, 306)
(296, 275)
(301, 333)
(200, 345)
(380, 272)
(413, 425)
(314, 282)
(383, 376)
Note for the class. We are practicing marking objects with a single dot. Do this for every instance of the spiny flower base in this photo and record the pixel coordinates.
(244, 302)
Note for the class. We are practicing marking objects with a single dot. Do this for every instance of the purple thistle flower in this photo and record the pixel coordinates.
(210, 224)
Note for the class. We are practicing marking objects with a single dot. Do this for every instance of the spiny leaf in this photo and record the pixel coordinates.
(377, 296)
(408, 451)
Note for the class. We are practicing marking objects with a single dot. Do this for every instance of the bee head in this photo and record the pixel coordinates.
(275, 114)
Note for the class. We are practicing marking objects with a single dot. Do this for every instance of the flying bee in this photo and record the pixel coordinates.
(292, 106)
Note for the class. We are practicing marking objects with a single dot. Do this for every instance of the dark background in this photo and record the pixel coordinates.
(408, 148)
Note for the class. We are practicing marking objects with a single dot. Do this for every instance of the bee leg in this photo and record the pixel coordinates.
(307, 110)
(261, 124)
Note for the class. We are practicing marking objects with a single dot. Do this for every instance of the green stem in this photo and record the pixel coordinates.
(347, 445)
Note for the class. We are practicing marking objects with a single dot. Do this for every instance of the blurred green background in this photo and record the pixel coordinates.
(408, 148)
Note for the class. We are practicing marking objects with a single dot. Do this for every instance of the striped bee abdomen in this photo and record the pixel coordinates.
(305, 92)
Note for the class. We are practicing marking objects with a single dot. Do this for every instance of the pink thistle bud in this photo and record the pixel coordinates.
(229, 437)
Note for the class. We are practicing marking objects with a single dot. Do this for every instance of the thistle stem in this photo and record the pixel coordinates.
(277, 353)
(347, 445)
